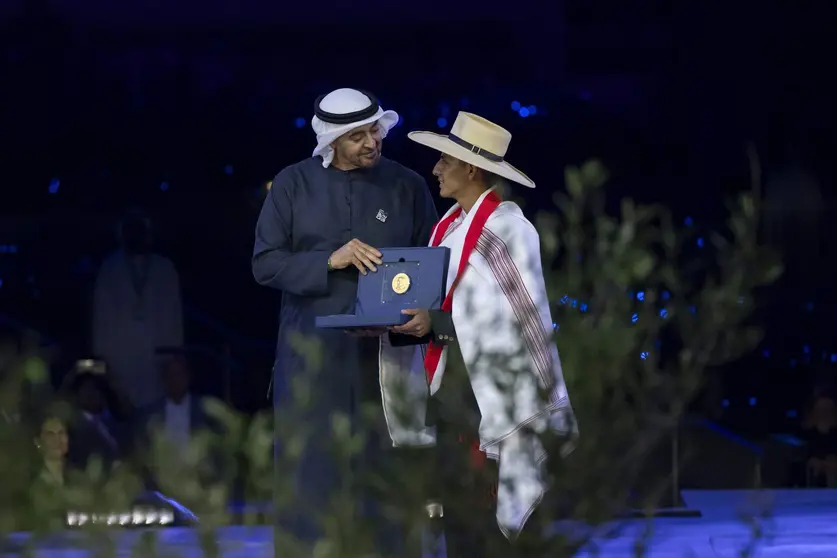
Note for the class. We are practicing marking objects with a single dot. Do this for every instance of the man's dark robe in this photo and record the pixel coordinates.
(310, 212)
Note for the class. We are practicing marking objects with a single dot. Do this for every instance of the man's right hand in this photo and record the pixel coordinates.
(358, 254)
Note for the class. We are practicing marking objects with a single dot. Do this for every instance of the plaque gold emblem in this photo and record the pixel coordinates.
(401, 283)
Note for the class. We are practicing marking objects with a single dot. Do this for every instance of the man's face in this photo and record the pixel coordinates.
(90, 397)
(453, 175)
(136, 236)
(177, 378)
(359, 148)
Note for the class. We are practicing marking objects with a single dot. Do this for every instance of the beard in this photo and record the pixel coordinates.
(357, 157)
(368, 160)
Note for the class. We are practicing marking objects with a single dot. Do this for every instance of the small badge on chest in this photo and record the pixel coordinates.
(381, 216)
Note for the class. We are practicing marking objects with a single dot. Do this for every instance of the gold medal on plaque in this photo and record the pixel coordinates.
(401, 283)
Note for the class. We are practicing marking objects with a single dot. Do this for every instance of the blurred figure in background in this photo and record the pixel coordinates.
(97, 428)
(178, 418)
(136, 310)
(52, 443)
(181, 412)
(794, 209)
(50, 470)
(820, 433)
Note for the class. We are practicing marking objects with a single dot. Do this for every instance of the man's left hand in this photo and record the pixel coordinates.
(418, 326)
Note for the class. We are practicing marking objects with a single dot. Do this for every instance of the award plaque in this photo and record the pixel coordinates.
(407, 278)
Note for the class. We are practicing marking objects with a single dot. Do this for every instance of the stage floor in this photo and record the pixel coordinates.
(792, 523)
(801, 523)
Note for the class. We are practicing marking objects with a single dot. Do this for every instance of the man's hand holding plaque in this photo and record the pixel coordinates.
(363, 257)
(418, 326)
(356, 253)
(404, 285)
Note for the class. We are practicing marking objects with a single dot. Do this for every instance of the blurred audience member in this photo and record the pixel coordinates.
(52, 442)
(95, 429)
(180, 413)
(136, 310)
(177, 418)
(50, 471)
(820, 432)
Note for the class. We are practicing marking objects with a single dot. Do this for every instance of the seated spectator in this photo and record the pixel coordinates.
(820, 433)
(181, 412)
(177, 418)
(52, 443)
(96, 427)
(49, 472)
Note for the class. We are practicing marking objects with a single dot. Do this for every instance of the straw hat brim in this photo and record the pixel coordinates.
(442, 143)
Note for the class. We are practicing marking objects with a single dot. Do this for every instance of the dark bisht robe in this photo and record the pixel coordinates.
(310, 212)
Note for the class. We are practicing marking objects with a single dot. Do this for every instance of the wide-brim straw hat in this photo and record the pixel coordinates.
(478, 142)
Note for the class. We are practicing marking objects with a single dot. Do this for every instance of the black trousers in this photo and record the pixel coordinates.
(468, 480)
(468, 493)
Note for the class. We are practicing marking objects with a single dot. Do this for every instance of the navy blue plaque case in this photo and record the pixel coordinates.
(407, 278)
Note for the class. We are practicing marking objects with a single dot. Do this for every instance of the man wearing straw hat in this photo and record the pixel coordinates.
(492, 367)
(319, 228)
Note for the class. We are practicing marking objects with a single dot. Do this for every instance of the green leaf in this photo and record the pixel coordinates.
(748, 205)
(574, 181)
(642, 267)
(35, 370)
(594, 174)
(772, 274)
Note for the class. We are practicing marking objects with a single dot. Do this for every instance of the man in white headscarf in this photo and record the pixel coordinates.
(318, 230)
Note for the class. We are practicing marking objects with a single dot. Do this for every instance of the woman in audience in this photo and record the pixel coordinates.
(49, 474)
(52, 443)
(820, 432)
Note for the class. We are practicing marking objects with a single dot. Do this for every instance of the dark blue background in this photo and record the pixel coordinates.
(190, 108)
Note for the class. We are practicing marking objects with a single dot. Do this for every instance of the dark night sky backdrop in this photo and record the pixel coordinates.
(114, 98)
